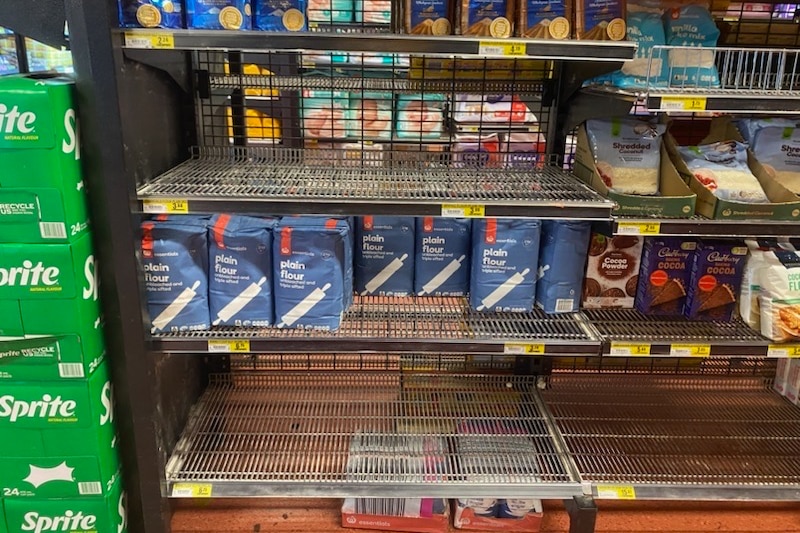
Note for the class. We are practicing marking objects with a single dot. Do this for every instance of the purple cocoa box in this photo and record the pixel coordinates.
(664, 275)
(713, 289)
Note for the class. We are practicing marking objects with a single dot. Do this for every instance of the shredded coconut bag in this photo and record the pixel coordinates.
(691, 26)
(627, 153)
(722, 168)
(778, 150)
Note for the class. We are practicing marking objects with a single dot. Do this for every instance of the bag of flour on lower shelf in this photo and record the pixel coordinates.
(627, 153)
(779, 282)
(175, 264)
(722, 168)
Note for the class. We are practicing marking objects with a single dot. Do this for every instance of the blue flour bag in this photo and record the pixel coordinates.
(384, 255)
(562, 258)
(312, 260)
(175, 264)
(691, 26)
(219, 14)
(505, 255)
(441, 263)
(240, 270)
(151, 13)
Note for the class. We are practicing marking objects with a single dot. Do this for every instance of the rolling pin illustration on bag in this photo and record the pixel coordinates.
(382, 276)
(174, 309)
(442, 276)
(238, 303)
(300, 310)
(500, 292)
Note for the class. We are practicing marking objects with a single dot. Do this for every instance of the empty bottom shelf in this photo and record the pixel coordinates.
(375, 434)
(683, 437)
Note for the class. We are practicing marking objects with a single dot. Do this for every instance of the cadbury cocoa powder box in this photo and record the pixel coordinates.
(664, 275)
(717, 270)
(612, 271)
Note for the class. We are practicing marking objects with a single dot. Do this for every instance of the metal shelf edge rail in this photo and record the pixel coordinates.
(630, 333)
(701, 226)
(258, 41)
(278, 180)
(411, 324)
(369, 435)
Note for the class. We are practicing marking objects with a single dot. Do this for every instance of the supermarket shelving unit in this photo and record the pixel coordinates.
(400, 378)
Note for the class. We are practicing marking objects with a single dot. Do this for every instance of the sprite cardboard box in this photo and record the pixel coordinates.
(57, 438)
(42, 196)
(98, 514)
(50, 325)
(2, 519)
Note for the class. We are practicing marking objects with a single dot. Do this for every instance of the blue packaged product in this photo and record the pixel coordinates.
(240, 271)
(562, 258)
(441, 265)
(600, 20)
(427, 17)
(151, 13)
(505, 256)
(384, 255)
(175, 264)
(543, 19)
(487, 18)
(312, 258)
(649, 67)
(517, 508)
(219, 14)
(693, 28)
(486, 507)
(279, 15)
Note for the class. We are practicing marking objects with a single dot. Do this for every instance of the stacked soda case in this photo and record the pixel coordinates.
(59, 466)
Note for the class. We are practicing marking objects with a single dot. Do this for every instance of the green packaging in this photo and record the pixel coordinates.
(87, 466)
(98, 514)
(42, 196)
(62, 405)
(49, 291)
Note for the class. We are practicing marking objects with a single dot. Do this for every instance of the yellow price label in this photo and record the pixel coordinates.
(523, 349)
(638, 228)
(160, 40)
(690, 350)
(783, 350)
(616, 492)
(225, 346)
(464, 210)
(192, 490)
(166, 206)
(625, 349)
(683, 103)
(500, 48)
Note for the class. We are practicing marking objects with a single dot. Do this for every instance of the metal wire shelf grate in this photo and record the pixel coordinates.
(373, 362)
(371, 434)
(703, 437)
(428, 324)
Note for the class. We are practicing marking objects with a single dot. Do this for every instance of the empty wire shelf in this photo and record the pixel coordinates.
(674, 336)
(281, 180)
(682, 437)
(373, 434)
(410, 324)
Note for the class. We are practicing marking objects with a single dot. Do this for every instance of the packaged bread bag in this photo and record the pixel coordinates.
(779, 281)
(600, 20)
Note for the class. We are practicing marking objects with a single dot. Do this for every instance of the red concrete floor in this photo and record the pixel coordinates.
(322, 516)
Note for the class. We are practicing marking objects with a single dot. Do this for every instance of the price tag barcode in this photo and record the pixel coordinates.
(616, 492)
(224, 346)
(463, 210)
(683, 103)
(499, 48)
(625, 349)
(166, 206)
(638, 228)
(783, 350)
(192, 490)
(523, 349)
(690, 350)
(159, 40)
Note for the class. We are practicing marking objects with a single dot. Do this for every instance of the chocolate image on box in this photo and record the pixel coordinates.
(630, 287)
(598, 244)
(717, 267)
(669, 292)
(664, 275)
(719, 296)
(591, 288)
(622, 242)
